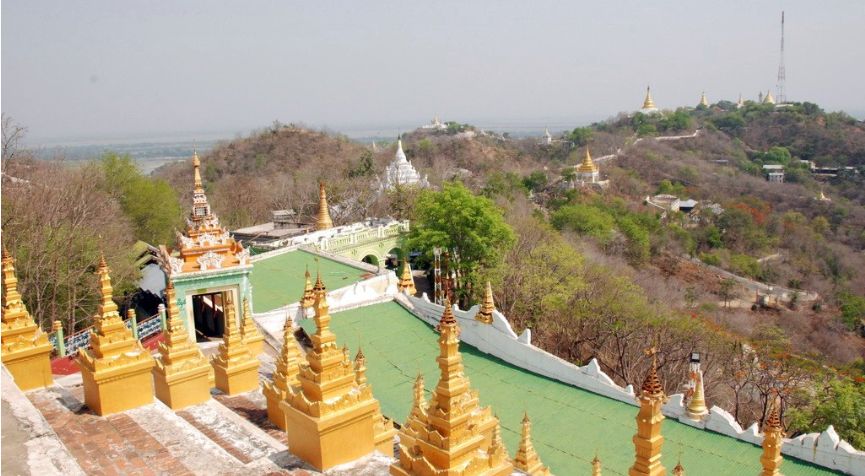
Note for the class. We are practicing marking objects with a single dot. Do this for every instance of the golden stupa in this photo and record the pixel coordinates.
(527, 459)
(116, 369)
(329, 409)
(485, 313)
(249, 331)
(648, 103)
(322, 221)
(284, 376)
(182, 373)
(453, 434)
(235, 368)
(406, 281)
(648, 440)
(773, 439)
(26, 350)
(308, 298)
(587, 166)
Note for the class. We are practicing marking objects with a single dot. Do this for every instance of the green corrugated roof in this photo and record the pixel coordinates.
(569, 424)
(279, 280)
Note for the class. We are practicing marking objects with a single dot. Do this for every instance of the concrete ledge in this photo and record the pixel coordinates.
(44, 453)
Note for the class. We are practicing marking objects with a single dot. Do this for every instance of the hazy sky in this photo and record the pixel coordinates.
(106, 69)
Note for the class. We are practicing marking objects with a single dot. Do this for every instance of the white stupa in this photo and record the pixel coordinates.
(401, 172)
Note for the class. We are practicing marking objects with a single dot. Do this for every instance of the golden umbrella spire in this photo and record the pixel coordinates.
(596, 466)
(773, 439)
(527, 459)
(648, 103)
(323, 221)
(485, 314)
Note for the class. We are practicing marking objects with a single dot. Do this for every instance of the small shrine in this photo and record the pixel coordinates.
(452, 434)
(207, 264)
(26, 350)
(116, 369)
(330, 407)
(235, 367)
(182, 373)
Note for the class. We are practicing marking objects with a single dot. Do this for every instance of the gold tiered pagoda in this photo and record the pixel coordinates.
(182, 374)
(329, 408)
(322, 221)
(406, 281)
(207, 262)
(26, 350)
(648, 103)
(116, 369)
(308, 298)
(773, 439)
(453, 434)
(527, 459)
(285, 375)
(235, 368)
(648, 440)
(206, 244)
(249, 331)
(485, 313)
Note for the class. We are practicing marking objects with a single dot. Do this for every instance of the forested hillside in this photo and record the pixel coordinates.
(594, 273)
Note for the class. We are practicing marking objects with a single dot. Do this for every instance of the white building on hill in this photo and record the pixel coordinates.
(401, 172)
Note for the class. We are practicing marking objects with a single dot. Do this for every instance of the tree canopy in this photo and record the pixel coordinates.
(469, 226)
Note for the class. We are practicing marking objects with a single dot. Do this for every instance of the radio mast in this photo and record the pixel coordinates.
(780, 94)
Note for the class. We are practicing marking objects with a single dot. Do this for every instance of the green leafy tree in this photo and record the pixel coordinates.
(535, 181)
(852, 309)
(840, 403)
(364, 168)
(585, 220)
(151, 204)
(469, 226)
(580, 136)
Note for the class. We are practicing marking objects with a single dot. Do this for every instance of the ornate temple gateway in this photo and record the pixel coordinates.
(207, 263)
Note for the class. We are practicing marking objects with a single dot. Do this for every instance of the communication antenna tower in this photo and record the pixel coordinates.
(781, 96)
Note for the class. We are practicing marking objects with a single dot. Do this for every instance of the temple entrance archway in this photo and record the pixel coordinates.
(208, 315)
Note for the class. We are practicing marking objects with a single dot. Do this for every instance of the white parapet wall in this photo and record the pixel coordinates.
(500, 340)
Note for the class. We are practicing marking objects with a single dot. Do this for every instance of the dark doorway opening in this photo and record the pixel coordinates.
(207, 309)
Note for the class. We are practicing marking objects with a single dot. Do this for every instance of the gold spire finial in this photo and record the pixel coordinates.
(196, 165)
(773, 439)
(703, 101)
(596, 465)
(679, 470)
(447, 318)
(323, 221)
(527, 459)
(107, 307)
(308, 298)
(485, 314)
(406, 281)
(648, 103)
(648, 439)
(360, 367)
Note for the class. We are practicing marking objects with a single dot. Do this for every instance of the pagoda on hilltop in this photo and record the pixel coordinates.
(648, 103)
(452, 434)
(401, 173)
(207, 263)
(332, 405)
(116, 368)
(26, 350)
